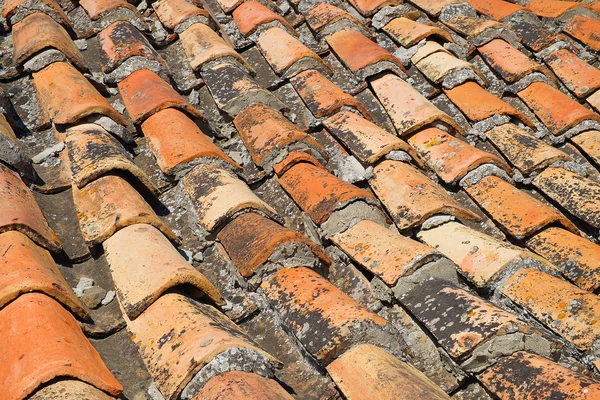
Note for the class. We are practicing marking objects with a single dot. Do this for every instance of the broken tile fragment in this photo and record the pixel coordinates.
(250, 15)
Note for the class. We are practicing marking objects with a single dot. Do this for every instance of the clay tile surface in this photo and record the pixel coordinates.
(516, 211)
(345, 42)
(69, 389)
(383, 252)
(37, 32)
(407, 108)
(575, 256)
(93, 153)
(176, 140)
(411, 197)
(589, 143)
(251, 239)
(25, 267)
(408, 32)
(237, 385)
(144, 265)
(584, 29)
(251, 14)
(323, 15)
(121, 41)
(479, 104)
(551, 8)
(173, 12)
(10, 7)
(564, 308)
(438, 65)
(320, 193)
(110, 204)
(528, 376)
(366, 141)
(68, 96)
(580, 77)
(229, 5)
(369, 7)
(430, 47)
(450, 157)
(42, 341)
(369, 372)
(201, 45)
(508, 61)
(145, 93)
(433, 7)
(576, 194)
(322, 97)
(526, 152)
(472, 26)
(322, 316)
(177, 336)
(293, 158)
(98, 8)
(496, 9)
(217, 195)
(20, 212)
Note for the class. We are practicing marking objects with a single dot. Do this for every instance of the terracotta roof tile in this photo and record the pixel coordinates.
(551, 8)
(145, 93)
(323, 15)
(69, 389)
(583, 28)
(370, 7)
(369, 372)
(251, 14)
(508, 61)
(174, 12)
(470, 26)
(45, 341)
(580, 77)
(449, 157)
(98, 8)
(534, 34)
(594, 100)
(21, 213)
(407, 108)
(430, 47)
(68, 96)
(237, 385)
(439, 65)
(408, 32)
(11, 7)
(322, 97)
(410, 197)
(496, 9)
(567, 310)
(434, 7)
(292, 159)
(6, 130)
(229, 5)
(110, 204)
(177, 336)
(589, 143)
(217, 195)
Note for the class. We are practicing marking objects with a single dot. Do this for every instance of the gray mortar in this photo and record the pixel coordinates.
(524, 82)
(460, 76)
(29, 7)
(453, 10)
(349, 169)
(13, 155)
(516, 265)
(119, 131)
(404, 54)
(133, 64)
(436, 220)
(304, 64)
(481, 127)
(341, 25)
(348, 215)
(120, 14)
(181, 27)
(573, 12)
(381, 66)
(483, 171)
(442, 268)
(399, 155)
(234, 359)
(42, 59)
(388, 13)
(381, 291)
(583, 126)
(561, 44)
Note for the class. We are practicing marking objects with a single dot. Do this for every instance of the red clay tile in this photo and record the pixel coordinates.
(322, 97)
(564, 308)
(516, 211)
(177, 336)
(20, 212)
(584, 29)
(110, 204)
(69, 389)
(508, 61)
(471, 27)
(173, 12)
(9, 8)
(496, 9)
(589, 143)
(68, 96)
(408, 32)
(217, 195)
(433, 7)
(292, 159)
(145, 93)
(527, 376)
(238, 385)
(407, 108)
(42, 341)
(411, 197)
(176, 140)
(551, 8)
(324, 15)
(370, 7)
(252, 14)
(449, 157)
(580, 77)
(37, 32)
(98, 8)
(229, 5)
(479, 104)
(250, 239)
(369, 372)
(320, 193)
(144, 265)
(121, 41)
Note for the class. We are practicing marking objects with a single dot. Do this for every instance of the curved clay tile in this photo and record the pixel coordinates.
(238, 385)
(578, 76)
(430, 47)
(434, 7)
(229, 5)
(436, 67)
(50, 7)
(99, 8)
(292, 159)
(496, 9)
(370, 7)
(584, 29)
(408, 32)
(174, 12)
(69, 390)
(250, 15)
(508, 61)
(589, 143)
(323, 15)
(552, 8)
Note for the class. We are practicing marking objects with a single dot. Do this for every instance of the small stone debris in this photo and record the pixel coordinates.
(93, 297)
(83, 285)
(49, 152)
(110, 296)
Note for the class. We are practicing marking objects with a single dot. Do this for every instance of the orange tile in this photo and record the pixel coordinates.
(369, 372)
(411, 197)
(320, 315)
(323, 15)
(292, 159)
(519, 213)
(496, 9)
(370, 7)
(508, 61)
(20, 212)
(145, 93)
(449, 157)
(564, 308)
(9, 8)
(320, 193)
(479, 104)
(408, 32)
(173, 12)
(551, 8)
(322, 97)
(589, 143)
(229, 5)
(69, 389)
(238, 385)
(251, 239)
(438, 65)
(98, 8)
(471, 27)
(433, 7)
(252, 14)
(68, 96)
(430, 47)
(217, 195)
(584, 29)
(110, 204)
(45, 342)
(177, 336)
(575, 256)
(407, 108)
(528, 376)
(594, 100)
(7, 131)
(580, 77)
(383, 252)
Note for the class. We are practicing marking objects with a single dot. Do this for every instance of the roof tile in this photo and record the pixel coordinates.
(324, 15)
(98, 8)
(292, 159)
(584, 29)
(174, 12)
(69, 389)
(251, 14)
(237, 385)
(434, 7)
(408, 32)
(589, 143)
(471, 27)
(10, 8)
(370, 7)
(508, 61)
(229, 5)
(580, 77)
(534, 34)
(430, 47)
(551, 8)
(496, 9)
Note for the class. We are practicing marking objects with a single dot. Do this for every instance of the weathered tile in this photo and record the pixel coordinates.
(293, 158)
(583, 28)
(534, 34)
(508, 61)
(434, 7)
(589, 143)
(12, 9)
(472, 27)
(496, 9)
(171, 13)
(408, 32)
(370, 7)
(324, 15)
(229, 5)
(250, 15)
(69, 389)
(578, 76)
(430, 47)
(440, 65)
(99, 8)
(550, 8)
(237, 385)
